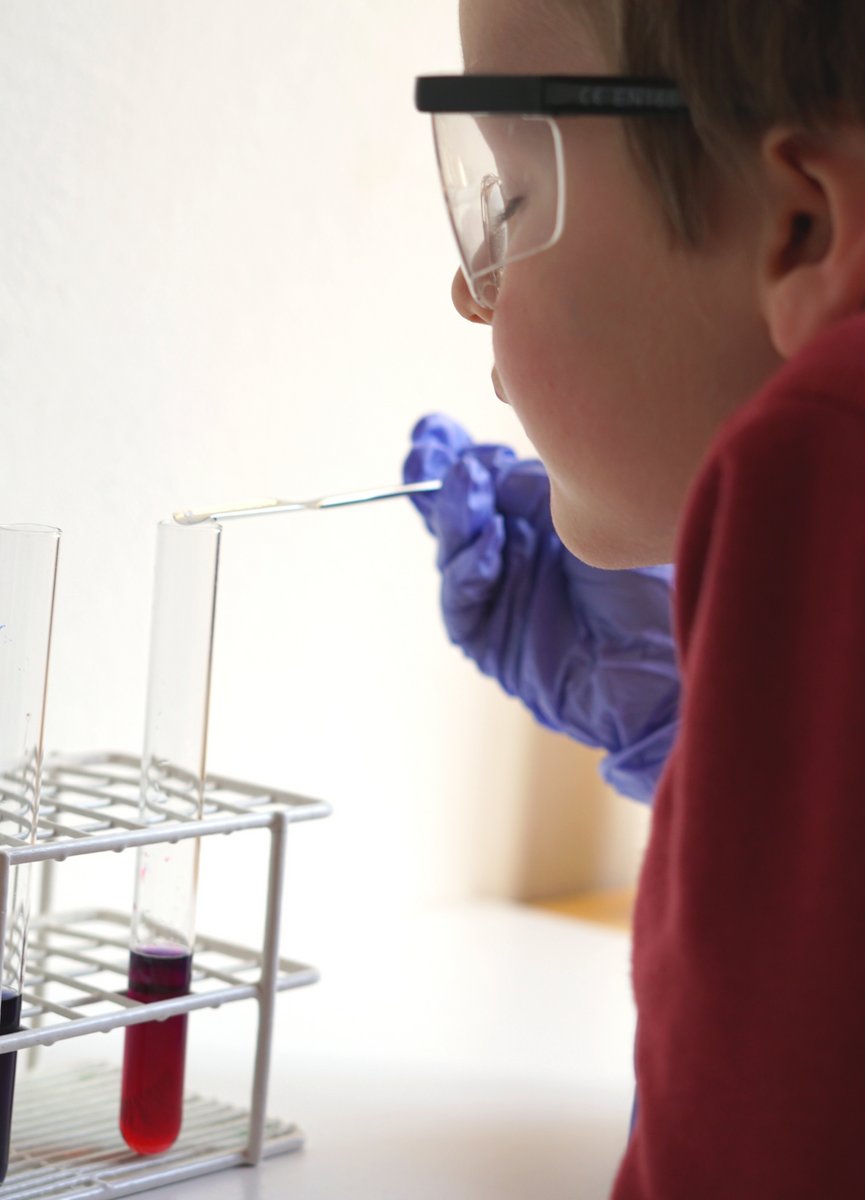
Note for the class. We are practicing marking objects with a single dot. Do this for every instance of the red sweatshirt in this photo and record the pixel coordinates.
(749, 938)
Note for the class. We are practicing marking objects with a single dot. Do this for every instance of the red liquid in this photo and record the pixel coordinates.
(10, 1011)
(154, 1056)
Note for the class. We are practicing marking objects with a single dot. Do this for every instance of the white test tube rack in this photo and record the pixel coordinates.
(77, 974)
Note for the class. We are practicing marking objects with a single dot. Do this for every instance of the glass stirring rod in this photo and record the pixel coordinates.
(263, 508)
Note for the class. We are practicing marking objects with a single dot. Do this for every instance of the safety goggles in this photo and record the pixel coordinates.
(501, 161)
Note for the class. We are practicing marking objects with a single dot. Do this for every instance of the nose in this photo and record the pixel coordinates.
(465, 303)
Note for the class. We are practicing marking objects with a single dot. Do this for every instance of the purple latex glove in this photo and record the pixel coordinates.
(589, 651)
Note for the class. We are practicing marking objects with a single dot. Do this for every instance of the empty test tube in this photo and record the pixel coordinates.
(172, 788)
(28, 573)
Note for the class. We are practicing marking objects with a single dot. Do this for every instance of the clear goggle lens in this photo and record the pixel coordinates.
(503, 182)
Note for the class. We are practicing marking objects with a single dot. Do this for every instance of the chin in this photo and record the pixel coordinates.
(608, 550)
(604, 557)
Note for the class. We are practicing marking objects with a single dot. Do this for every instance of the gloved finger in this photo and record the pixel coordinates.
(523, 490)
(465, 504)
(469, 581)
(443, 430)
(430, 461)
(494, 458)
(436, 443)
(624, 606)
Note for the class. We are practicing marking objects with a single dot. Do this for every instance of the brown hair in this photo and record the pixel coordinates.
(743, 66)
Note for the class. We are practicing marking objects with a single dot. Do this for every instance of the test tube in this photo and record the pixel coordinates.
(172, 788)
(28, 575)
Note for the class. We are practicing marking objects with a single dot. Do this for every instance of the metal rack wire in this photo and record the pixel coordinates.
(77, 973)
(77, 964)
(65, 1143)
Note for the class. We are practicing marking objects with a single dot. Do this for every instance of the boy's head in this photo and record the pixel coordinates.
(696, 252)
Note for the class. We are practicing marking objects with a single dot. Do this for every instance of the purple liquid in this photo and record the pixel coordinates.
(154, 1055)
(10, 1015)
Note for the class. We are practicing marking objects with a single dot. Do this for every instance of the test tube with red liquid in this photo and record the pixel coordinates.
(28, 574)
(172, 789)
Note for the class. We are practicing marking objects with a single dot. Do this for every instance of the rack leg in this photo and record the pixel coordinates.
(45, 905)
(267, 987)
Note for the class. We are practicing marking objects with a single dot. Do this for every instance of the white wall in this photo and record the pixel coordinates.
(224, 274)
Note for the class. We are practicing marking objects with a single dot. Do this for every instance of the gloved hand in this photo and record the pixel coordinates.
(589, 651)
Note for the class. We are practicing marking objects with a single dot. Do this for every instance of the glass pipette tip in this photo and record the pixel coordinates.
(263, 508)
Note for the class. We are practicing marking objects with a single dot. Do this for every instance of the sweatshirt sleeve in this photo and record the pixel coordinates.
(749, 940)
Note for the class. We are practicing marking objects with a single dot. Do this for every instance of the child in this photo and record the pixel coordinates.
(673, 268)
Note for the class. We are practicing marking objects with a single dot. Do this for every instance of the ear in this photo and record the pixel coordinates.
(813, 265)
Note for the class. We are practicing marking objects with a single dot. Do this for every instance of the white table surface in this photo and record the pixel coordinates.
(465, 1053)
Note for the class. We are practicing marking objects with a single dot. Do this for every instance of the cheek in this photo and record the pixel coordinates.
(522, 360)
(570, 375)
(539, 359)
(556, 318)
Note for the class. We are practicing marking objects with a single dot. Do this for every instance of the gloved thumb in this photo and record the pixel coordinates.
(469, 581)
(437, 442)
(465, 505)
